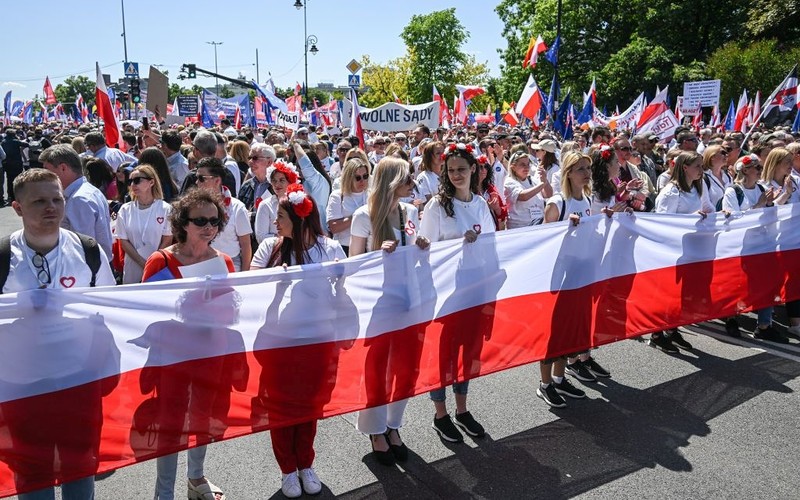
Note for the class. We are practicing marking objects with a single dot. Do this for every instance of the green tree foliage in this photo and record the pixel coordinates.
(381, 80)
(67, 92)
(175, 90)
(761, 66)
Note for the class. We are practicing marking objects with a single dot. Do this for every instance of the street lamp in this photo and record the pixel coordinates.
(311, 43)
(216, 69)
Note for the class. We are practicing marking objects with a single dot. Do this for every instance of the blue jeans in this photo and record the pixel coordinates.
(167, 470)
(81, 489)
(439, 395)
(765, 316)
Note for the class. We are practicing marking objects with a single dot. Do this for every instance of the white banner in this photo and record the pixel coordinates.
(662, 125)
(705, 93)
(289, 119)
(394, 117)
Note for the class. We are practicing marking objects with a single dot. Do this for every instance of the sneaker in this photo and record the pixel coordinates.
(565, 388)
(469, 425)
(550, 396)
(580, 372)
(771, 334)
(290, 486)
(447, 431)
(793, 331)
(662, 342)
(595, 368)
(677, 339)
(732, 327)
(311, 483)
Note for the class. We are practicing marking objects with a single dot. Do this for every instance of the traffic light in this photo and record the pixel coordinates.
(136, 92)
(191, 70)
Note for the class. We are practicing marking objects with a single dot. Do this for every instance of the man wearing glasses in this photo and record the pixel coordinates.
(234, 239)
(86, 209)
(342, 149)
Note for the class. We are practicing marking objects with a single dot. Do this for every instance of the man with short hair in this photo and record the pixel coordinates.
(43, 255)
(378, 150)
(642, 144)
(96, 144)
(234, 240)
(421, 131)
(177, 163)
(86, 209)
(705, 137)
(686, 141)
(206, 146)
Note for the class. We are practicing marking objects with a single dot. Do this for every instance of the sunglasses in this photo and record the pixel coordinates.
(360, 178)
(342, 150)
(42, 269)
(203, 178)
(256, 158)
(626, 148)
(136, 180)
(726, 151)
(204, 221)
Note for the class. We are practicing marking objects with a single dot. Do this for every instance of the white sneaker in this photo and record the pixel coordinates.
(290, 486)
(311, 483)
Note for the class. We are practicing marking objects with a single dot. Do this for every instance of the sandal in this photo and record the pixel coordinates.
(383, 457)
(205, 491)
(400, 451)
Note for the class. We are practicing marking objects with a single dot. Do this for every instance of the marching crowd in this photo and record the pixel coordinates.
(185, 200)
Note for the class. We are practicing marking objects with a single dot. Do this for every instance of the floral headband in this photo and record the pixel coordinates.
(454, 148)
(606, 151)
(301, 202)
(287, 169)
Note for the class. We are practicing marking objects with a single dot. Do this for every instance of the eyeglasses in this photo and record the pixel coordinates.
(256, 158)
(42, 269)
(400, 140)
(691, 139)
(626, 148)
(136, 180)
(203, 178)
(204, 221)
(360, 178)
(342, 150)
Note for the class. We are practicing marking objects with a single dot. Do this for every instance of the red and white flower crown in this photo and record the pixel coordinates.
(301, 202)
(286, 168)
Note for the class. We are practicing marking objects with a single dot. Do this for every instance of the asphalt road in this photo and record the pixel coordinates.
(720, 421)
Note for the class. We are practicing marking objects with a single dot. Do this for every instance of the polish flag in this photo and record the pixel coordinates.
(755, 109)
(531, 102)
(49, 95)
(742, 112)
(657, 118)
(237, 117)
(442, 104)
(460, 109)
(470, 91)
(511, 116)
(106, 111)
(593, 93)
(396, 99)
(715, 117)
(535, 47)
(698, 118)
(355, 119)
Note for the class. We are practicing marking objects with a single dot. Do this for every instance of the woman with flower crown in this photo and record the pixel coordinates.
(281, 174)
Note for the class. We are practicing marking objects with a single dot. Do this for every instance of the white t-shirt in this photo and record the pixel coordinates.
(428, 183)
(144, 230)
(730, 202)
(362, 227)
(326, 250)
(499, 179)
(66, 263)
(672, 200)
(238, 224)
(475, 215)
(522, 213)
(663, 180)
(581, 208)
(778, 188)
(715, 188)
(598, 205)
(340, 206)
(265, 218)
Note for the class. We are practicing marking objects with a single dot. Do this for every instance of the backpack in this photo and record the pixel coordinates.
(34, 150)
(91, 251)
(739, 195)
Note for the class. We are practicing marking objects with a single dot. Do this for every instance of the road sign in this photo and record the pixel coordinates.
(354, 81)
(131, 70)
(353, 66)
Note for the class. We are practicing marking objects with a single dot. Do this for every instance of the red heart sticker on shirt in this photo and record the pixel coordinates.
(411, 224)
(67, 281)
(476, 228)
(160, 220)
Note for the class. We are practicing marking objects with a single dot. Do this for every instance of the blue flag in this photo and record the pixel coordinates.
(27, 113)
(271, 98)
(551, 100)
(796, 124)
(561, 117)
(552, 53)
(587, 113)
(730, 118)
(7, 106)
(497, 115)
(207, 121)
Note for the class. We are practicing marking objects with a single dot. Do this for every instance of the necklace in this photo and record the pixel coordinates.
(464, 203)
(144, 206)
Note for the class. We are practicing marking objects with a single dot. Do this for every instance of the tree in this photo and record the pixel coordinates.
(67, 92)
(383, 79)
(175, 90)
(434, 44)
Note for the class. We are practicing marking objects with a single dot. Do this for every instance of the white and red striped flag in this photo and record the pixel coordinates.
(742, 112)
(355, 119)
(531, 102)
(106, 111)
(535, 47)
(657, 118)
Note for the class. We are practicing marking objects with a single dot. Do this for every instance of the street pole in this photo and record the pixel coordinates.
(125, 47)
(258, 78)
(555, 66)
(216, 68)
(305, 52)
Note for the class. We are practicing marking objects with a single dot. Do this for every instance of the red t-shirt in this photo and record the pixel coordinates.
(156, 263)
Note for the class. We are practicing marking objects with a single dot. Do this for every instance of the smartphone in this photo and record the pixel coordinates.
(145, 123)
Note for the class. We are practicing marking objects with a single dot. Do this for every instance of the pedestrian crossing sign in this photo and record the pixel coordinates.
(131, 70)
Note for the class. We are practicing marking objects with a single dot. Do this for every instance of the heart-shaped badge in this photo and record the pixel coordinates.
(67, 281)
(476, 228)
(160, 220)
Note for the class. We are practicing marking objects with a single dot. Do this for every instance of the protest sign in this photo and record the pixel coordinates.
(290, 119)
(188, 105)
(705, 93)
(157, 91)
(394, 117)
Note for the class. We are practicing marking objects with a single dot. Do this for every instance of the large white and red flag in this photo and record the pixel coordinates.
(106, 111)
(470, 91)
(355, 119)
(742, 112)
(531, 101)
(657, 118)
(444, 111)
(111, 376)
(782, 103)
(460, 109)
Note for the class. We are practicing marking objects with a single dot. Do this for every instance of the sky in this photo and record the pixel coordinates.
(59, 38)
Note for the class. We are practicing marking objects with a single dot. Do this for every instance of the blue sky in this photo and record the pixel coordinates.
(63, 38)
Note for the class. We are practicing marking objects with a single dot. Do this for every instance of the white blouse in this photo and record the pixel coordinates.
(144, 230)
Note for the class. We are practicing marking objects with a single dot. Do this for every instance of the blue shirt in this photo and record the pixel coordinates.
(113, 156)
(86, 212)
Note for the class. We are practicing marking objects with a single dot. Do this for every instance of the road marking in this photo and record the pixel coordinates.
(786, 351)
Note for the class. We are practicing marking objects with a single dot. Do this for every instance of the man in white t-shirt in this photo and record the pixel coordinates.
(52, 348)
(234, 240)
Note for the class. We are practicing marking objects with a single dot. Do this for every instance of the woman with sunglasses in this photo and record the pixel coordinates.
(196, 219)
(345, 201)
(142, 224)
(299, 240)
(281, 175)
(385, 223)
(525, 194)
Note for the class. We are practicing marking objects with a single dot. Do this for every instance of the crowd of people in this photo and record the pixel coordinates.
(176, 199)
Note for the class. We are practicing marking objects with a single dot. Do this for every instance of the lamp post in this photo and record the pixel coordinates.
(216, 69)
(310, 44)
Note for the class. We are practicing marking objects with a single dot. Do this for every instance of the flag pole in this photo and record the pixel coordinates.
(764, 108)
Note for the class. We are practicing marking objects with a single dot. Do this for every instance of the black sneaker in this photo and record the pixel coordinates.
(662, 342)
(595, 368)
(550, 396)
(676, 338)
(447, 431)
(732, 327)
(565, 388)
(580, 372)
(469, 425)
(771, 334)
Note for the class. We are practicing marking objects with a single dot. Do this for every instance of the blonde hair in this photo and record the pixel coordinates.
(515, 157)
(351, 166)
(150, 172)
(774, 158)
(709, 153)
(240, 151)
(389, 174)
(568, 162)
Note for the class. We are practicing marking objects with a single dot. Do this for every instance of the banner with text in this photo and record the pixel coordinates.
(394, 117)
(704, 93)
